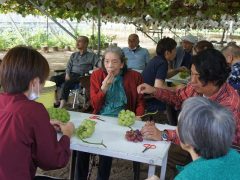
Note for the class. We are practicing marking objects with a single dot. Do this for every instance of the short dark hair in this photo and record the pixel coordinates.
(85, 38)
(20, 65)
(116, 50)
(165, 44)
(203, 45)
(207, 126)
(211, 66)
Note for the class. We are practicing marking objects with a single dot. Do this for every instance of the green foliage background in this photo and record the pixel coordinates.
(38, 38)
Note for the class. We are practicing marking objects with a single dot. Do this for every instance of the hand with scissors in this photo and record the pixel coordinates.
(96, 117)
(148, 146)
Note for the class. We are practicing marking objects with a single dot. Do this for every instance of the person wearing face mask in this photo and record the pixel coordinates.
(113, 88)
(209, 73)
(137, 57)
(28, 138)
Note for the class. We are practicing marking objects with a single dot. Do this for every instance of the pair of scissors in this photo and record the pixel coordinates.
(96, 117)
(149, 146)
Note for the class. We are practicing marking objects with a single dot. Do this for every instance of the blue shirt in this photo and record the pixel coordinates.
(234, 78)
(225, 168)
(136, 59)
(156, 69)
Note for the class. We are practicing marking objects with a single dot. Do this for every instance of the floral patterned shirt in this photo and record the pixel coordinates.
(226, 96)
(234, 78)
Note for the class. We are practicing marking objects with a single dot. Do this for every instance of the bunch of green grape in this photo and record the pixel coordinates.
(184, 74)
(59, 114)
(126, 118)
(86, 129)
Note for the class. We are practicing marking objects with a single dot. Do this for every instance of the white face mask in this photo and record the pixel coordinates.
(33, 95)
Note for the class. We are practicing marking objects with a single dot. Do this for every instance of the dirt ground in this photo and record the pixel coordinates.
(121, 170)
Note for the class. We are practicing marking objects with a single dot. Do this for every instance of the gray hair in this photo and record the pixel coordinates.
(118, 51)
(231, 49)
(207, 126)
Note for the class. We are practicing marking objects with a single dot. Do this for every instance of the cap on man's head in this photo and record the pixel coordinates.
(190, 38)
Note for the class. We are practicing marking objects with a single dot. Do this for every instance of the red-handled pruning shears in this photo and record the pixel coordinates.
(148, 146)
(96, 117)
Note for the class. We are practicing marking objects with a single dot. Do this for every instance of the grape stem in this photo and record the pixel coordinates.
(150, 113)
(130, 128)
(94, 143)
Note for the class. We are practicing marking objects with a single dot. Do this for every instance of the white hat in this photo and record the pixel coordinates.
(190, 38)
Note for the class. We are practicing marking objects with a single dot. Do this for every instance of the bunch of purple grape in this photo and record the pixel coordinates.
(134, 136)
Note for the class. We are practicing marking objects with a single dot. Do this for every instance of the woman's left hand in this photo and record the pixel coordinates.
(151, 132)
(56, 124)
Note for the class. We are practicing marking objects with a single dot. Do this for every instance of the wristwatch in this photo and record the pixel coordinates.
(164, 135)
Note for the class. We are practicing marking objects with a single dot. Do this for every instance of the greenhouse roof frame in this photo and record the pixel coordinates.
(150, 13)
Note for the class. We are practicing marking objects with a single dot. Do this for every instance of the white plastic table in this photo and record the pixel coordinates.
(113, 136)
